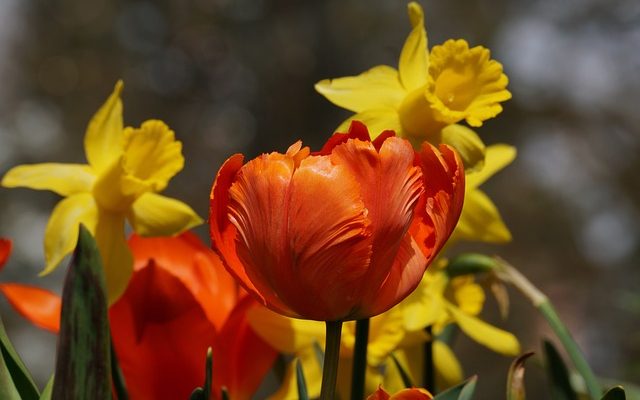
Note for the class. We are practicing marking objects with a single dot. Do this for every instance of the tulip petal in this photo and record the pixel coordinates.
(378, 87)
(245, 357)
(197, 266)
(414, 59)
(497, 157)
(468, 145)
(104, 138)
(5, 251)
(494, 338)
(223, 232)
(41, 307)
(156, 215)
(64, 179)
(116, 256)
(377, 120)
(390, 186)
(161, 345)
(444, 190)
(481, 220)
(61, 233)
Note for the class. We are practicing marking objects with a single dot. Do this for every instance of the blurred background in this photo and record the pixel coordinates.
(237, 76)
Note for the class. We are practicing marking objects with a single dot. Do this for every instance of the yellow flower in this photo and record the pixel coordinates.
(480, 219)
(428, 93)
(127, 167)
(305, 339)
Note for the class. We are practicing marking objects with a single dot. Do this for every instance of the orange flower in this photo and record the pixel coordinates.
(29, 301)
(179, 301)
(405, 394)
(345, 233)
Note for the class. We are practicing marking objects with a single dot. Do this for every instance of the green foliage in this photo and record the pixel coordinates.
(83, 357)
(470, 263)
(462, 391)
(15, 380)
(615, 393)
(302, 383)
(204, 392)
(558, 373)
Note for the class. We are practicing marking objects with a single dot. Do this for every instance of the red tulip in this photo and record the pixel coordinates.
(29, 301)
(179, 302)
(405, 394)
(345, 233)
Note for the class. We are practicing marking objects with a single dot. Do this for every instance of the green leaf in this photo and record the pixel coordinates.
(515, 379)
(462, 391)
(197, 394)
(302, 383)
(406, 379)
(83, 365)
(46, 393)
(470, 263)
(15, 380)
(204, 392)
(558, 373)
(615, 393)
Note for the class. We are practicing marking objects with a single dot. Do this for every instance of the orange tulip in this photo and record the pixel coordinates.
(344, 233)
(405, 394)
(179, 302)
(42, 305)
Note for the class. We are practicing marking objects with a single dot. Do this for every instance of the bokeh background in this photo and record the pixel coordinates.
(237, 76)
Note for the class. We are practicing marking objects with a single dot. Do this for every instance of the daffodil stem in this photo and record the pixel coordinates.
(116, 375)
(360, 359)
(541, 302)
(331, 357)
(428, 378)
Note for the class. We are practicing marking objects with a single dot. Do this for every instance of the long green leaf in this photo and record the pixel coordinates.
(302, 383)
(46, 392)
(558, 373)
(83, 365)
(462, 391)
(15, 379)
(515, 379)
(616, 393)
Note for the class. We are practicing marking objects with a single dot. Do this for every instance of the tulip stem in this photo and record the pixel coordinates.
(428, 378)
(331, 357)
(360, 359)
(541, 302)
(117, 376)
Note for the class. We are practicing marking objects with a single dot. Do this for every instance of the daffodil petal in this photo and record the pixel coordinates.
(497, 157)
(104, 138)
(64, 179)
(152, 156)
(480, 220)
(61, 233)
(312, 374)
(468, 145)
(469, 296)
(414, 58)
(287, 335)
(385, 334)
(156, 215)
(448, 367)
(487, 335)
(377, 121)
(375, 88)
(116, 257)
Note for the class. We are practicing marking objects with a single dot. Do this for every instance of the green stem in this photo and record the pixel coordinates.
(117, 377)
(360, 359)
(428, 378)
(542, 303)
(331, 357)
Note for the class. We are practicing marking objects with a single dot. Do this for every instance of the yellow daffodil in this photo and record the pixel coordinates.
(304, 339)
(126, 169)
(428, 94)
(480, 219)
